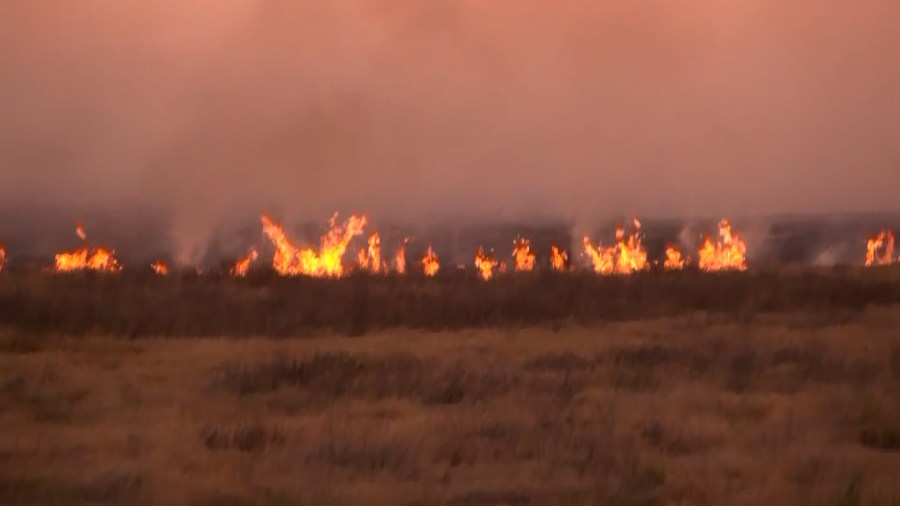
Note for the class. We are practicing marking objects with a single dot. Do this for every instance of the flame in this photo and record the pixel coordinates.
(674, 260)
(485, 264)
(728, 253)
(430, 262)
(2, 256)
(160, 267)
(242, 266)
(327, 261)
(400, 258)
(102, 259)
(523, 254)
(558, 258)
(880, 248)
(371, 259)
(626, 257)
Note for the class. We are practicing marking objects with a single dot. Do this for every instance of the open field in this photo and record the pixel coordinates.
(264, 304)
(698, 409)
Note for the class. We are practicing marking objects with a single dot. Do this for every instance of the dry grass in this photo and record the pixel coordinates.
(698, 409)
(136, 305)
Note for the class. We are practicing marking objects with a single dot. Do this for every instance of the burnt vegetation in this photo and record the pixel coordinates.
(137, 305)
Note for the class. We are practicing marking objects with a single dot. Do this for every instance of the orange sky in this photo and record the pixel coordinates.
(474, 108)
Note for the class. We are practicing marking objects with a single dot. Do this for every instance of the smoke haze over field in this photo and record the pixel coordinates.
(418, 110)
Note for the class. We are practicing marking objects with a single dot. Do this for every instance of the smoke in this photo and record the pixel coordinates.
(448, 110)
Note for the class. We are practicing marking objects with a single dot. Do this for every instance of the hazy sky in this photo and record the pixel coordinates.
(471, 108)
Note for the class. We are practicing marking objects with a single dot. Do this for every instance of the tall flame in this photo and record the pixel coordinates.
(728, 253)
(371, 259)
(102, 259)
(400, 258)
(485, 264)
(242, 266)
(674, 260)
(160, 267)
(880, 248)
(326, 262)
(558, 258)
(626, 257)
(524, 255)
(430, 262)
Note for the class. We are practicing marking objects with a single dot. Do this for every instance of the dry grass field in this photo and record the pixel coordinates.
(701, 408)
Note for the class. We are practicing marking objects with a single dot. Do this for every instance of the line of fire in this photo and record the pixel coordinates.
(724, 251)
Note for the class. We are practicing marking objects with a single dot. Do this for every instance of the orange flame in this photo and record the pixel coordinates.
(371, 260)
(160, 267)
(328, 261)
(430, 262)
(558, 258)
(728, 253)
(626, 257)
(242, 266)
(880, 248)
(485, 264)
(79, 230)
(400, 258)
(523, 254)
(674, 260)
(102, 259)
(2, 256)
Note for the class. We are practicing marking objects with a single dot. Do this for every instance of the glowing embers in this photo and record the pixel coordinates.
(160, 267)
(625, 257)
(485, 264)
(880, 248)
(728, 253)
(327, 261)
(99, 259)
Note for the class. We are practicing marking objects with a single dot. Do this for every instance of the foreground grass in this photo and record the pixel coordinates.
(693, 410)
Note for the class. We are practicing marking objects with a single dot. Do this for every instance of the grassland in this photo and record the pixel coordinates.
(266, 305)
(736, 389)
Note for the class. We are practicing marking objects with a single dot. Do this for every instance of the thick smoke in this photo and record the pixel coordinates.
(201, 113)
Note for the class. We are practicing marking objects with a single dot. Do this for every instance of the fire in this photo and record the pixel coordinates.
(485, 264)
(371, 259)
(430, 262)
(626, 257)
(327, 261)
(400, 258)
(728, 253)
(880, 248)
(2, 256)
(79, 230)
(160, 267)
(242, 266)
(523, 254)
(558, 258)
(674, 260)
(102, 259)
